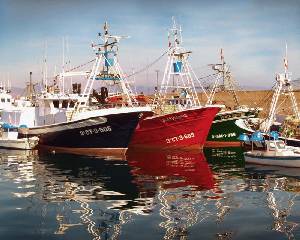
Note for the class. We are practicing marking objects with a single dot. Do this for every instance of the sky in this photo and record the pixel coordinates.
(253, 35)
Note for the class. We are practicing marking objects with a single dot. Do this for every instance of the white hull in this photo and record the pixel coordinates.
(22, 143)
(273, 161)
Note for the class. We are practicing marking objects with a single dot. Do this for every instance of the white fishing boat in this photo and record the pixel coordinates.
(69, 122)
(289, 129)
(275, 153)
(9, 139)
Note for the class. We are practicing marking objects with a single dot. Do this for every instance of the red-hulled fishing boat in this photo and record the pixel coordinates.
(183, 129)
(180, 120)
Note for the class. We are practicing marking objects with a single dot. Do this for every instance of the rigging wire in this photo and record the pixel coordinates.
(147, 66)
(266, 97)
(81, 65)
(211, 75)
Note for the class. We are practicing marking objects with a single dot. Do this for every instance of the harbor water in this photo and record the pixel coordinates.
(146, 195)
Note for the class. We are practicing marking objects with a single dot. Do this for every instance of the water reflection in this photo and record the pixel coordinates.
(179, 195)
(87, 181)
(171, 169)
(175, 180)
(282, 188)
(280, 185)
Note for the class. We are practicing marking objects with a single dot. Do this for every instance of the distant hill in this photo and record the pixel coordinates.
(16, 91)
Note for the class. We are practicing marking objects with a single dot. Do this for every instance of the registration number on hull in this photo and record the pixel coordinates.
(223, 135)
(91, 131)
(180, 137)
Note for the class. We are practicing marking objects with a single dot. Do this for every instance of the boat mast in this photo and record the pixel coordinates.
(290, 88)
(178, 69)
(283, 83)
(223, 72)
(106, 69)
(63, 65)
(45, 70)
(30, 92)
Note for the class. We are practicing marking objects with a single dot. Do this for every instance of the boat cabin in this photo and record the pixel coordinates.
(8, 131)
(49, 109)
(278, 148)
(275, 145)
(6, 99)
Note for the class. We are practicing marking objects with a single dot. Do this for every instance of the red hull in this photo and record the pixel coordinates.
(186, 129)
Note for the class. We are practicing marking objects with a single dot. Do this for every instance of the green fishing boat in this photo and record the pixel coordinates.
(226, 128)
(228, 124)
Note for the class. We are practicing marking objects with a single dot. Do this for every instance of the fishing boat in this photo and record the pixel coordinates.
(276, 153)
(225, 128)
(68, 122)
(290, 128)
(273, 151)
(179, 121)
(9, 138)
(6, 99)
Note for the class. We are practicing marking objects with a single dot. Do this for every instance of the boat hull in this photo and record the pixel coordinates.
(284, 161)
(291, 141)
(22, 144)
(186, 129)
(111, 131)
(224, 131)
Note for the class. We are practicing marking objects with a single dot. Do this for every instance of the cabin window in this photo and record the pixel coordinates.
(280, 145)
(56, 103)
(272, 146)
(65, 104)
(8, 100)
(72, 104)
(2, 99)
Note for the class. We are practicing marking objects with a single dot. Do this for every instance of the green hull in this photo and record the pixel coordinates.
(224, 128)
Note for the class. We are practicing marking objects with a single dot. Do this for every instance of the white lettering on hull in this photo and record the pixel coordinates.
(180, 137)
(223, 135)
(92, 131)
(174, 118)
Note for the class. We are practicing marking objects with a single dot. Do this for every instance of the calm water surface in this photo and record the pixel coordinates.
(161, 195)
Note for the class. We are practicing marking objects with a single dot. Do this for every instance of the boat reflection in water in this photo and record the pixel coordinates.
(171, 169)
(178, 182)
(164, 195)
(282, 187)
(102, 189)
(224, 156)
(83, 194)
